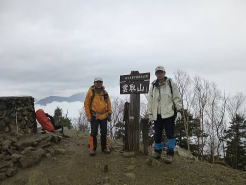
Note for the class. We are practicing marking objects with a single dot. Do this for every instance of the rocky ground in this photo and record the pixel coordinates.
(67, 162)
(20, 152)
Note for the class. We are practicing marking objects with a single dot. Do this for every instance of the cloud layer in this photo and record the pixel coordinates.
(58, 47)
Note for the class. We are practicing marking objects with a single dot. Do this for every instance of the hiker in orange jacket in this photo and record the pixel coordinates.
(98, 111)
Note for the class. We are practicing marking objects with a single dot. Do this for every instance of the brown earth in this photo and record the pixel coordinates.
(73, 166)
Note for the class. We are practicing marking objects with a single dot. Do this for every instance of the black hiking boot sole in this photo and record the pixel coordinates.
(92, 153)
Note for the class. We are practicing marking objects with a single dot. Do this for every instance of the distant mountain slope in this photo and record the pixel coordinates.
(73, 98)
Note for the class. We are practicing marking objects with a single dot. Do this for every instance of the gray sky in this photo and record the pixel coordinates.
(57, 47)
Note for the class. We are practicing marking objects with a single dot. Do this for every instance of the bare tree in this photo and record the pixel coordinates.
(201, 90)
(215, 114)
(221, 126)
(143, 110)
(235, 104)
(211, 113)
(117, 115)
(183, 82)
(81, 122)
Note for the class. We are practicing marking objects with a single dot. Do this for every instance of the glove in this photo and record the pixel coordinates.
(109, 117)
(178, 117)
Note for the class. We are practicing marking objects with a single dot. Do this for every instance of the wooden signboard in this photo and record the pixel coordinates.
(134, 83)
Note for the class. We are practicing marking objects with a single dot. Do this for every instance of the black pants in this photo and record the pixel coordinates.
(169, 125)
(95, 123)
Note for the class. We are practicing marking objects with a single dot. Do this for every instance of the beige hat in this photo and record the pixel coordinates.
(159, 68)
(98, 79)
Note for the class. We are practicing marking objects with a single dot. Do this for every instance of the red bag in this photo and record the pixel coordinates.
(44, 121)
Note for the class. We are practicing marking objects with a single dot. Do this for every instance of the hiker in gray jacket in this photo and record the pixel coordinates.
(164, 106)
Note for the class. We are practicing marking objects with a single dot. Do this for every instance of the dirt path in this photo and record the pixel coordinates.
(76, 167)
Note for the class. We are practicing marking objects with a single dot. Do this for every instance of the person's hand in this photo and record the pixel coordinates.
(151, 122)
(178, 117)
(109, 118)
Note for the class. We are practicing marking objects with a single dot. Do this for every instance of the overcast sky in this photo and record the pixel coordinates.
(57, 47)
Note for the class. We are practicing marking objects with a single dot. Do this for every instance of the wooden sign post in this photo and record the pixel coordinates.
(134, 84)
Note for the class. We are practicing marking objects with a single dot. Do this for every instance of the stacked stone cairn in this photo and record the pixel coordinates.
(20, 144)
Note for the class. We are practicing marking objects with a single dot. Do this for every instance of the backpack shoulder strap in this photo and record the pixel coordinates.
(170, 85)
(171, 88)
(92, 97)
(154, 84)
(105, 95)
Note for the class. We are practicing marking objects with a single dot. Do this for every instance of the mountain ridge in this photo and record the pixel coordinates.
(72, 98)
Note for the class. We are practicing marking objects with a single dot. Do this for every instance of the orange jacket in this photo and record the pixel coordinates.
(98, 107)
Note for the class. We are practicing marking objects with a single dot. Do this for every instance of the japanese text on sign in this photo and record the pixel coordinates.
(139, 83)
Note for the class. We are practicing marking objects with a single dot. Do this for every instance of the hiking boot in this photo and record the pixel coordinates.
(92, 152)
(106, 150)
(169, 159)
(156, 155)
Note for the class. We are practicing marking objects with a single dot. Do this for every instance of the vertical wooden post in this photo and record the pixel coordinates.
(126, 120)
(145, 132)
(134, 117)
